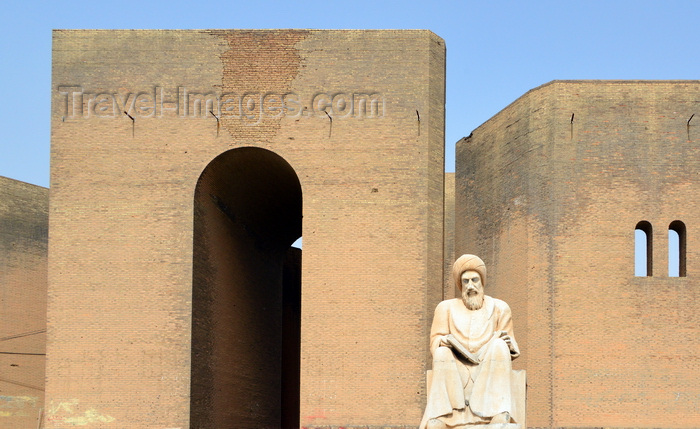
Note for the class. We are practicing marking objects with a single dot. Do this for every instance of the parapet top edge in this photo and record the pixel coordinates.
(339, 30)
(587, 82)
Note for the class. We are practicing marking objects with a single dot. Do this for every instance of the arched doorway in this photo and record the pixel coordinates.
(246, 293)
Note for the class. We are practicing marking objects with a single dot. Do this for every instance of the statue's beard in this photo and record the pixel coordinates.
(474, 301)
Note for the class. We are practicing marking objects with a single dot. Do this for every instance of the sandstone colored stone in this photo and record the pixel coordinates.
(472, 343)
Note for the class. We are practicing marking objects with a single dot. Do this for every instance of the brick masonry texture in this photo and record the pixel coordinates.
(450, 290)
(123, 207)
(23, 261)
(551, 204)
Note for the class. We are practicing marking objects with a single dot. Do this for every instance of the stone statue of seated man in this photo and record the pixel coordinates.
(472, 344)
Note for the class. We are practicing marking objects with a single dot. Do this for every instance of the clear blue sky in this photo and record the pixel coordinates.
(496, 50)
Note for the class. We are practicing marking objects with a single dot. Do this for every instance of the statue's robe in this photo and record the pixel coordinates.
(461, 392)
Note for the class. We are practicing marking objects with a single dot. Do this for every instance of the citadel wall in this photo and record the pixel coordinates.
(450, 290)
(553, 189)
(23, 262)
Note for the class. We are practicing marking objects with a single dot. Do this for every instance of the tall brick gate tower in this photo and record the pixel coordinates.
(184, 165)
(550, 191)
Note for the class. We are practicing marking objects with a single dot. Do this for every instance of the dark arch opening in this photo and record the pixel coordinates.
(643, 249)
(246, 293)
(676, 249)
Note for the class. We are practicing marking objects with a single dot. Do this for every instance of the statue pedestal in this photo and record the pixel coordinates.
(494, 426)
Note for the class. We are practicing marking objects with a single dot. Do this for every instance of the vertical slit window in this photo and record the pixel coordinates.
(676, 249)
(643, 250)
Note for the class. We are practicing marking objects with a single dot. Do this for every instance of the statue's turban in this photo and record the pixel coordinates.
(468, 263)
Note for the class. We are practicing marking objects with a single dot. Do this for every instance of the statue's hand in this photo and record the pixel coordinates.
(505, 337)
(444, 342)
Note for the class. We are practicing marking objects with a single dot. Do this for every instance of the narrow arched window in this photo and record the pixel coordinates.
(676, 249)
(643, 249)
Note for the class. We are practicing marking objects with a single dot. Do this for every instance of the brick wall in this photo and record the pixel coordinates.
(122, 216)
(450, 290)
(23, 258)
(552, 206)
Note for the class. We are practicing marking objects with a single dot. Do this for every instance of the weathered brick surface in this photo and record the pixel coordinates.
(122, 218)
(450, 290)
(552, 207)
(23, 260)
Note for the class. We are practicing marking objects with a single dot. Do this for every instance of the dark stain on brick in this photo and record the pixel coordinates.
(259, 62)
